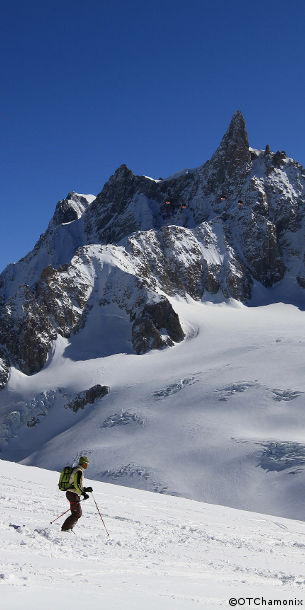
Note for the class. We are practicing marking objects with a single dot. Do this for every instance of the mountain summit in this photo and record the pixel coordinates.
(235, 222)
(233, 156)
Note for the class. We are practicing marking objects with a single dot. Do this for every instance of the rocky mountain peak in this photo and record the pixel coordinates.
(233, 154)
(71, 208)
(236, 131)
(123, 173)
(238, 125)
(221, 229)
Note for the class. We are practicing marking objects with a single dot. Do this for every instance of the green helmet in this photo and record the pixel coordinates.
(83, 460)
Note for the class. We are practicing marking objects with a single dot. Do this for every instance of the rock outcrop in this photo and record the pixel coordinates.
(88, 397)
(26, 331)
(70, 209)
(232, 160)
(156, 327)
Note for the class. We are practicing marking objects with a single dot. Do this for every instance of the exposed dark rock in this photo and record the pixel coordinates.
(2, 291)
(25, 331)
(279, 158)
(106, 213)
(233, 155)
(62, 297)
(145, 336)
(31, 423)
(239, 282)
(88, 397)
(211, 283)
(261, 250)
(301, 281)
(261, 208)
(164, 317)
(156, 319)
(67, 209)
(64, 212)
(4, 369)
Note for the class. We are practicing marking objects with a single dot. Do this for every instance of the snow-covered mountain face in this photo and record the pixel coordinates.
(119, 275)
(212, 230)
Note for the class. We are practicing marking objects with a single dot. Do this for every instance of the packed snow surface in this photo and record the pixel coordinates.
(161, 552)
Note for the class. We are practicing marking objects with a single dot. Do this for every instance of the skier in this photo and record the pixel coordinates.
(74, 493)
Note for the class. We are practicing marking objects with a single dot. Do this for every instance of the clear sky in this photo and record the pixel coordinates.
(87, 86)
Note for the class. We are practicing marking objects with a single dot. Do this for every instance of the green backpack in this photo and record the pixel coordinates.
(65, 478)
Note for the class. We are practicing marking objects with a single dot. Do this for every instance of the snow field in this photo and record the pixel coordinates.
(162, 552)
(218, 418)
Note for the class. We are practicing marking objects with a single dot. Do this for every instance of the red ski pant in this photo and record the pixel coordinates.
(76, 510)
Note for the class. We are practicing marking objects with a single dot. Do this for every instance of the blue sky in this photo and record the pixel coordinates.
(86, 87)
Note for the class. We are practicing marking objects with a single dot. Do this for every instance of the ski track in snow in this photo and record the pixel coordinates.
(161, 552)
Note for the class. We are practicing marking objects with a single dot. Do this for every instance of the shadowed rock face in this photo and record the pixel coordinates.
(88, 397)
(26, 331)
(4, 369)
(62, 297)
(69, 209)
(109, 217)
(209, 231)
(64, 212)
(232, 158)
(261, 249)
(156, 327)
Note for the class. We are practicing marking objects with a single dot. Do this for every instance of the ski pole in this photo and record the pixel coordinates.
(99, 513)
(66, 511)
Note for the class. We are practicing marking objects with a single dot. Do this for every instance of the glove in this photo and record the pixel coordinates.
(88, 489)
(85, 496)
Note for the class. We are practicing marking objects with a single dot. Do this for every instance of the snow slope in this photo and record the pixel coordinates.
(218, 418)
(162, 552)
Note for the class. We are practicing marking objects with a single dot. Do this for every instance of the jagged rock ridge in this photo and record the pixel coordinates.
(236, 219)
